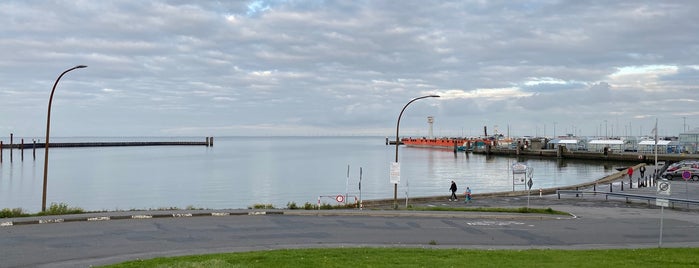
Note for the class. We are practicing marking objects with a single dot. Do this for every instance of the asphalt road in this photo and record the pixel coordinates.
(595, 223)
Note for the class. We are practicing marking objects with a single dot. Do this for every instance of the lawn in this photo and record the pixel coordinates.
(421, 257)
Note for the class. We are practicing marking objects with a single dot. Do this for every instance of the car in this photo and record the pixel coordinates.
(675, 170)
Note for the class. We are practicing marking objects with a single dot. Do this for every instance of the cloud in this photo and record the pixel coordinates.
(309, 67)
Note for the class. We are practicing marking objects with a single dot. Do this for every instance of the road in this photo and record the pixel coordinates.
(112, 237)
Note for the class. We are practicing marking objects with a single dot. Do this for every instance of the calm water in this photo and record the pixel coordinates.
(241, 171)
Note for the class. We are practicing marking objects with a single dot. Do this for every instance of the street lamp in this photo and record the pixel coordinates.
(395, 185)
(48, 124)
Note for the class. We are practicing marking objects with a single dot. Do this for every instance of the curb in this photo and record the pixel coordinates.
(137, 216)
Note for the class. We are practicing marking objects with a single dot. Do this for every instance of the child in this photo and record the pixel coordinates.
(468, 195)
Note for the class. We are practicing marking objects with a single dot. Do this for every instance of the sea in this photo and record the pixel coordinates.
(241, 172)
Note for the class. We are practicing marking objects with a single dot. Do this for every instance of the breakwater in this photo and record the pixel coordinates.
(103, 144)
(209, 142)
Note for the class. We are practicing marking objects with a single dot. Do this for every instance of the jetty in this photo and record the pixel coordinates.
(209, 142)
(40, 145)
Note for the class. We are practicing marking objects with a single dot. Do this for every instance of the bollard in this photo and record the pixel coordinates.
(610, 187)
(11, 144)
(630, 182)
(576, 194)
(540, 192)
(622, 185)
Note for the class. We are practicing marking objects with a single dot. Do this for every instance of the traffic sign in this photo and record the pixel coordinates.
(662, 202)
(340, 198)
(686, 175)
(395, 173)
(530, 183)
(663, 188)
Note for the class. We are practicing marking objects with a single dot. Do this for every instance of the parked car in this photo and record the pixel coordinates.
(675, 170)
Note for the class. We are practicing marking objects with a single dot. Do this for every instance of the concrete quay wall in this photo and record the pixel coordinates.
(585, 155)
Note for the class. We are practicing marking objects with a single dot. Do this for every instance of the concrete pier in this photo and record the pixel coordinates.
(104, 144)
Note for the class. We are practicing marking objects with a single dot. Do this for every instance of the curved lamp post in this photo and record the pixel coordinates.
(395, 185)
(48, 125)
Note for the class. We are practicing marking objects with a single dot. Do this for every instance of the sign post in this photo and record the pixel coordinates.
(686, 175)
(663, 189)
(395, 179)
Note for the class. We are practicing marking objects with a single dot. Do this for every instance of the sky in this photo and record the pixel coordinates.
(327, 68)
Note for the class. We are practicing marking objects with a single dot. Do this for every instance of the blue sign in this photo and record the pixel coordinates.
(686, 175)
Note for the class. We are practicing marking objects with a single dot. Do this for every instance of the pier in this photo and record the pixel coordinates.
(209, 142)
(104, 144)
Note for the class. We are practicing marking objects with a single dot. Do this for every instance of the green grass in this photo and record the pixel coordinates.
(417, 257)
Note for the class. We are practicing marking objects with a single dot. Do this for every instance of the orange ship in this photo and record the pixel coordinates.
(446, 143)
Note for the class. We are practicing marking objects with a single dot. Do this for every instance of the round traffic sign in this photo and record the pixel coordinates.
(340, 198)
(686, 175)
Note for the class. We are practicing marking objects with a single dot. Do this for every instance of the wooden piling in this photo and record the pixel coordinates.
(34, 148)
(207, 142)
(211, 139)
(21, 149)
(11, 144)
(0, 151)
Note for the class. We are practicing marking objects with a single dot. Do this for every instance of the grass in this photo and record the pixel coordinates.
(421, 257)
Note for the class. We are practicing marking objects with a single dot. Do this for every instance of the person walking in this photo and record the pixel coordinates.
(468, 195)
(630, 172)
(452, 188)
(642, 169)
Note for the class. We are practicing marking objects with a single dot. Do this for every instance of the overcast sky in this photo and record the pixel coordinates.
(219, 68)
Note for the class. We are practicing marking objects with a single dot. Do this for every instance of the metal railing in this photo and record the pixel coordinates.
(648, 198)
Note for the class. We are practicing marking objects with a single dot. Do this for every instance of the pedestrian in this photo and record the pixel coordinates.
(630, 172)
(452, 188)
(468, 195)
(642, 169)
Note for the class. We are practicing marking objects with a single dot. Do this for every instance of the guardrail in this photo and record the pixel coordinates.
(648, 198)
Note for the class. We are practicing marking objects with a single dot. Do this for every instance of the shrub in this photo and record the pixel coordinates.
(11, 213)
(60, 209)
(309, 206)
(262, 206)
(291, 205)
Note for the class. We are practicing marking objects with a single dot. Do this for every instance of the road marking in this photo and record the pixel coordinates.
(7, 223)
(141, 217)
(220, 214)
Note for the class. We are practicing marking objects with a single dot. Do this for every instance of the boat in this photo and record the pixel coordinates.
(460, 144)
